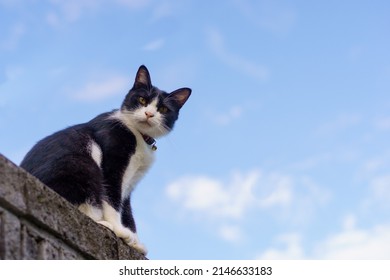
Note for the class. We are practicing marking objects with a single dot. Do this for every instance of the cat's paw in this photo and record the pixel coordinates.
(127, 235)
(106, 224)
(139, 247)
(131, 239)
(124, 233)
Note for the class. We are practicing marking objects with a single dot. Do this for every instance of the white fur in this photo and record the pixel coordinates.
(143, 157)
(94, 213)
(96, 152)
(112, 217)
(144, 120)
(138, 165)
(137, 121)
(112, 220)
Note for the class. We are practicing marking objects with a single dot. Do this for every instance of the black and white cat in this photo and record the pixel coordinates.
(96, 165)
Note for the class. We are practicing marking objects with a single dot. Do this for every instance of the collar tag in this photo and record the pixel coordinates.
(150, 141)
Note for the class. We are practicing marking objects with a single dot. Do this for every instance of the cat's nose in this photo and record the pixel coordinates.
(149, 114)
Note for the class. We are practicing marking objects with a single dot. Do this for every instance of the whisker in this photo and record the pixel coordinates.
(163, 128)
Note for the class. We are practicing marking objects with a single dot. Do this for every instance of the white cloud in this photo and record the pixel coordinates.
(291, 199)
(154, 45)
(235, 61)
(231, 234)
(101, 89)
(226, 118)
(214, 197)
(226, 203)
(374, 170)
(282, 196)
(291, 248)
(351, 243)
(374, 175)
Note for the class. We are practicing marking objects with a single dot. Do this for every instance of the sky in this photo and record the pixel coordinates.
(282, 150)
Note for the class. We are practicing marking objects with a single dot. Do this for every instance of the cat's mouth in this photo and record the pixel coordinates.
(146, 123)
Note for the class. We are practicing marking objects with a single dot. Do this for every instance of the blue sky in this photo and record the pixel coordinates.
(282, 151)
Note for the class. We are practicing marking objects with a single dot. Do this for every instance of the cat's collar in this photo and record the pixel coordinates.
(150, 141)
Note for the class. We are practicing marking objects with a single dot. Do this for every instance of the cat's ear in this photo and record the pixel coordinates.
(180, 96)
(142, 79)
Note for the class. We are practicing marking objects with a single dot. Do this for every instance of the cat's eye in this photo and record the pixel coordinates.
(142, 101)
(163, 110)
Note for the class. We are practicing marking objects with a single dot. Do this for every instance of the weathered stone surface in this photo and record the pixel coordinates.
(11, 191)
(10, 229)
(127, 253)
(37, 223)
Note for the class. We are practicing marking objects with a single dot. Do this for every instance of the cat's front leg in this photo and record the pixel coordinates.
(113, 218)
(138, 246)
(129, 223)
(132, 240)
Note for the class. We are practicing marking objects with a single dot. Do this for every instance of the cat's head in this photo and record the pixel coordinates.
(151, 111)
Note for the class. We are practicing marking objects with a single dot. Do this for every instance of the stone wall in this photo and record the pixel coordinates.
(36, 223)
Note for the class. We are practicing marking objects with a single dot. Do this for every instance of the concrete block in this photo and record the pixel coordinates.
(37, 223)
(11, 191)
(10, 234)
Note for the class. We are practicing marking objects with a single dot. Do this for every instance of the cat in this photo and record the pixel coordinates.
(96, 165)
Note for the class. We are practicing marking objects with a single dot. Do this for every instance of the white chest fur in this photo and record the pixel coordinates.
(140, 161)
(138, 165)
